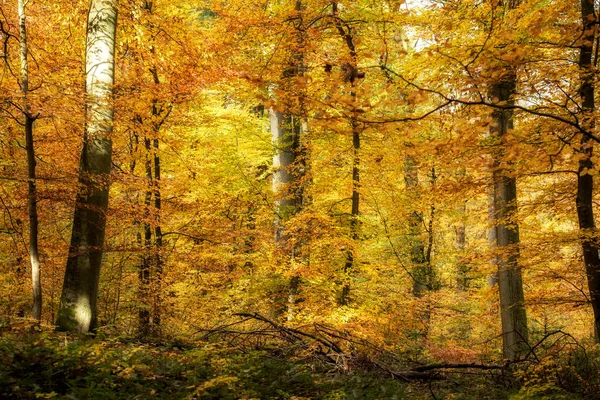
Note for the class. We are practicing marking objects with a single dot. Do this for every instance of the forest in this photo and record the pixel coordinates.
(307, 199)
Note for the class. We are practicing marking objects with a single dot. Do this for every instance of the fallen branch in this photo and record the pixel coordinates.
(474, 365)
(336, 348)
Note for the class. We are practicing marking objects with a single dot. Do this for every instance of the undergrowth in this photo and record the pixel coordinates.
(45, 364)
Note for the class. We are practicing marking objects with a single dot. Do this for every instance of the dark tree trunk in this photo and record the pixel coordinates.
(145, 266)
(158, 241)
(354, 212)
(350, 75)
(510, 281)
(151, 263)
(34, 257)
(33, 220)
(585, 181)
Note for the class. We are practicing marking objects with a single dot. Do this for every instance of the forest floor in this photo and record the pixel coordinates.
(39, 363)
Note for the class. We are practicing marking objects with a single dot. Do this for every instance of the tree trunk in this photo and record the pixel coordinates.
(290, 166)
(158, 242)
(351, 74)
(585, 181)
(422, 272)
(510, 282)
(144, 269)
(150, 268)
(355, 210)
(493, 277)
(287, 181)
(416, 245)
(31, 175)
(462, 277)
(160, 113)
(80, 288)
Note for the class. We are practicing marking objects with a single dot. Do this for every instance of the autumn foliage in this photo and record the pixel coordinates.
(379, 168)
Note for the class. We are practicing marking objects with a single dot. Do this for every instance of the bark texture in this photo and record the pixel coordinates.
(351, 74)
(585, 181)
(510, 281)
(422, 273)
(34, 257)
(416, 244)
(288, 187)
(290, 163)
(150, 268)
(493, 277)
(77, 311)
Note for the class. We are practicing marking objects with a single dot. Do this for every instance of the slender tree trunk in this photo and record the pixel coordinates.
(31, 175)
(462, 267)
(430, 273)
(510, 281)
(33, 222)
(350, 75)
(80, 288)
(422, 271)
(160, 113)
(462, 278)
(150, 269)
(144, 272)
(355, 210)
(417, 246)
(151, 266)
(493, 277)
(585, 181)
(158, 241)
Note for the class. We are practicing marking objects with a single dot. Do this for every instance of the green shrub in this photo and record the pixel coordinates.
(579, 371)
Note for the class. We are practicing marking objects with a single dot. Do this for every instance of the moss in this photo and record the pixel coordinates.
(66, 321)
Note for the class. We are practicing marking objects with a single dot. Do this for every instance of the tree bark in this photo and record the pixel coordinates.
(288, 177)
(351, 74)
(150, 266)
(144, 269)
(285, 130)
(290, 166)
(354, 211)
(158, 240)
(510, 281)
(418, 254)
(462, 277)
(77, 311)
(585, 181)
(34, 257)
(493, 277)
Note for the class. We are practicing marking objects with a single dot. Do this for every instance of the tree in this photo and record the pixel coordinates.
(510, 281)
(585, 179)
(289, 162)
(350, 74)
(423, 274)
(147, 127)
(462, 267)
(80, 287)
(31, 164)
